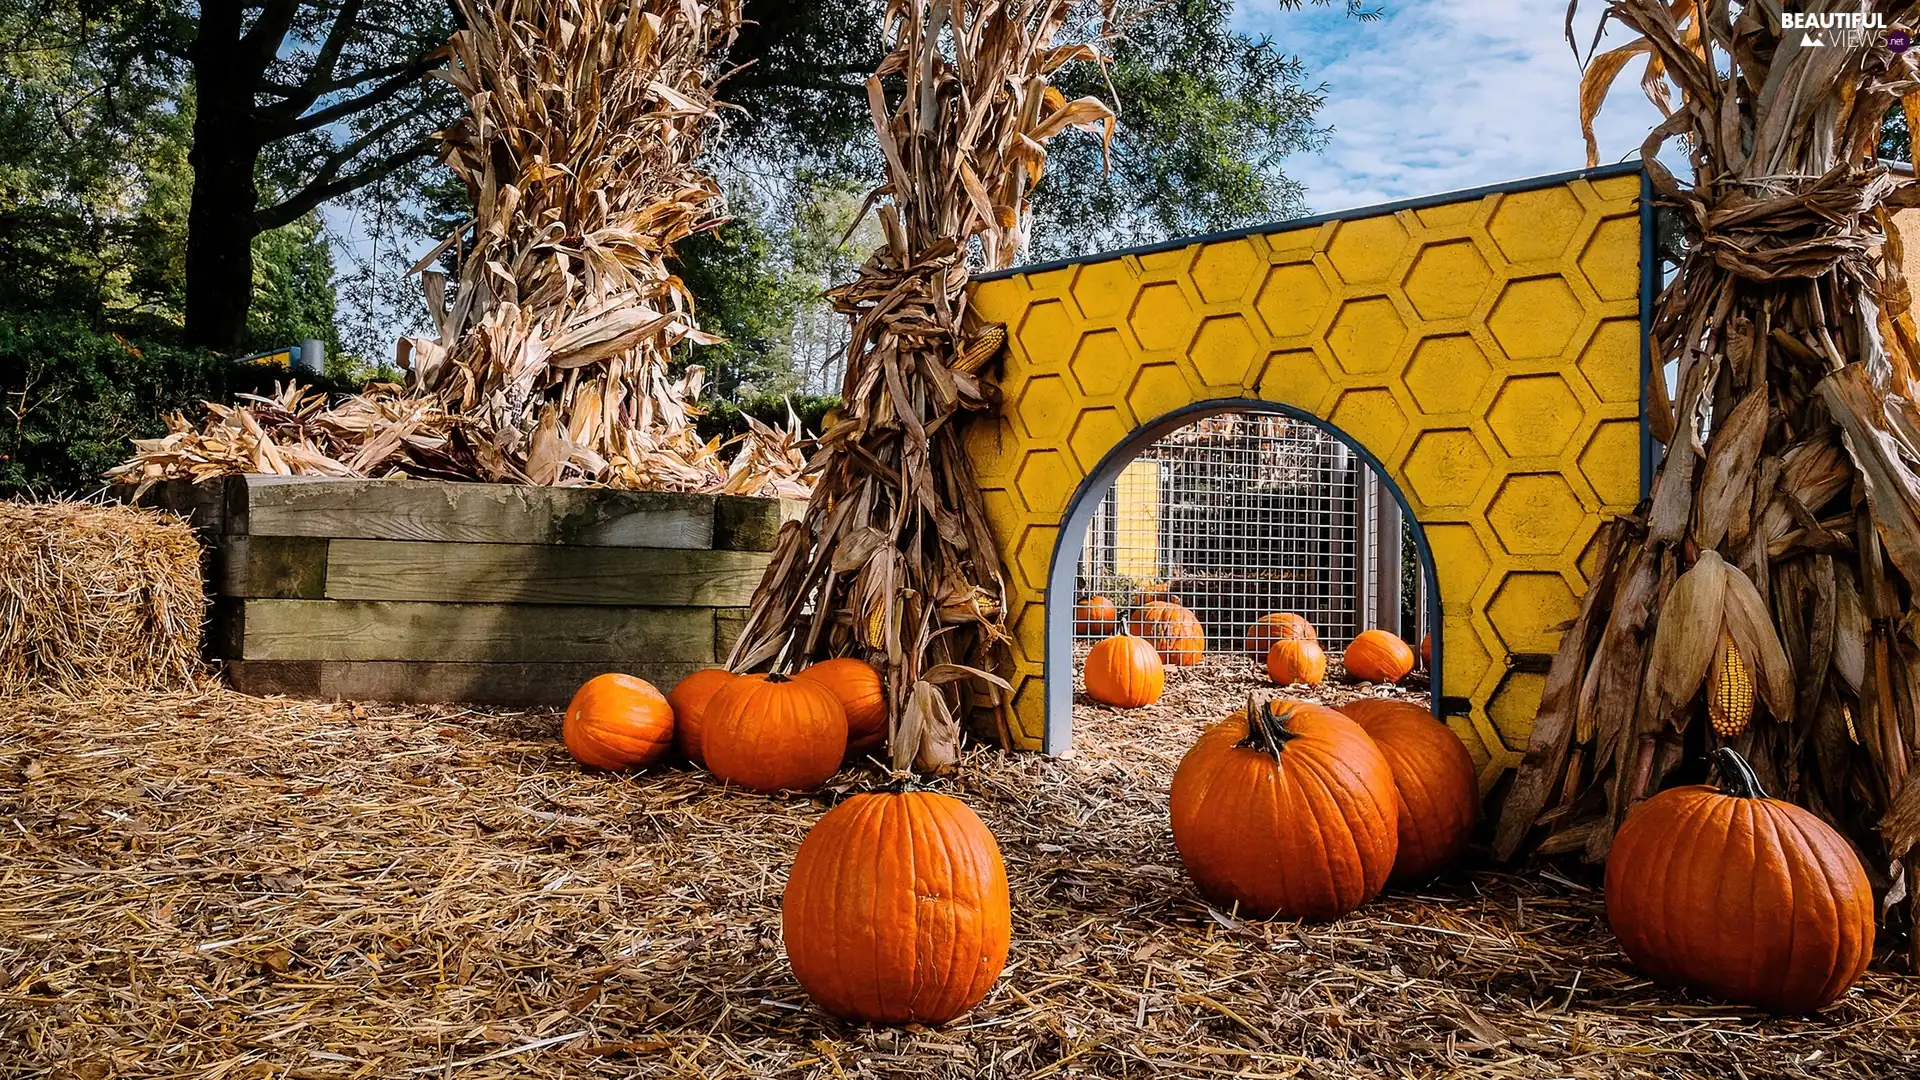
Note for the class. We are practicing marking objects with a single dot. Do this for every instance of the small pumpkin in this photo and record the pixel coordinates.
(1125, 672)
(1296, 661)
(1285, 808)
(1148, 592)
(1279, 626)
(1377, 656)
(775, 734)
(1740, 896)
(1095, 615)
(1173, 631)
(896, 909)
(617, 722)
(862, 695)
(1433, 773)
(690, 699)
(1426, 652)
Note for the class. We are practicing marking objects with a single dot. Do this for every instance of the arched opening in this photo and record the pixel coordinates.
(1240, 508)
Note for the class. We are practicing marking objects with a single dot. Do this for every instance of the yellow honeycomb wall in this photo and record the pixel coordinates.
(1485, 350)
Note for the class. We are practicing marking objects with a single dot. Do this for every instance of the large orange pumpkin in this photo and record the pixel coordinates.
(1291, 815)
(690, 699)
(862, 695)
(1432, 771)
(1277, 627)
(896, 909)
(617, 722)
(1739, 896)
(1173, 631)
(1124, 671)
(1095, 615)
(775, 734)
(1377, 656)
(1296, 661)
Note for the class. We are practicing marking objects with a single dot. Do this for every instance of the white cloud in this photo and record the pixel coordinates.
(1445, 94)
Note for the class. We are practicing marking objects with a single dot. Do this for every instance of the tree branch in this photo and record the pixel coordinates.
(262, 43)
(327, 182)
(352, 106)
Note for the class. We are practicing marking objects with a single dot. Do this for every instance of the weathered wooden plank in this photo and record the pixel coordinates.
(393, 630)
(727, 624)
(745, 523)
(287, 567)
(540, 574)
(203, 505)
(549, 684)
(472, 513)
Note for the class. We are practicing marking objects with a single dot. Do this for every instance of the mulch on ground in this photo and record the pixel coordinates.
(210, 885)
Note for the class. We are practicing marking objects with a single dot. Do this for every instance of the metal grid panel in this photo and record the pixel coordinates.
(1238, 515)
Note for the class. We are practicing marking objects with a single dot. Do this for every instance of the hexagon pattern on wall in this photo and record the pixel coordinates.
(1485, 350)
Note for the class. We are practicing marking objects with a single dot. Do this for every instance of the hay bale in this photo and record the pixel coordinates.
(97, 595)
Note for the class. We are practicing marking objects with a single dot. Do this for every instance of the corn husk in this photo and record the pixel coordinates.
(1764, 589)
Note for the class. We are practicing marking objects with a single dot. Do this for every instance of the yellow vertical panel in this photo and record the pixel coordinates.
(1136, 514)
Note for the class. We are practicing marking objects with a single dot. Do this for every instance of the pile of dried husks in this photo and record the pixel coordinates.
(551, 365)
(97, 595)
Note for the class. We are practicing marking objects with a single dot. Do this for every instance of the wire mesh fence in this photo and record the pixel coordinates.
(1238, 516)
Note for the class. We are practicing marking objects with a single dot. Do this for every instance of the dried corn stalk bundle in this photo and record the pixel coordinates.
(894, 555)
(1779, 551)
(585, 118)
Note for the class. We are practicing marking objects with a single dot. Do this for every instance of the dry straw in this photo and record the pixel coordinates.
(211, 885)
(97, 595)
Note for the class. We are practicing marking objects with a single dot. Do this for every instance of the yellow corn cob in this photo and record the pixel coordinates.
(981, 348)
(1730, 692)
(875, 627)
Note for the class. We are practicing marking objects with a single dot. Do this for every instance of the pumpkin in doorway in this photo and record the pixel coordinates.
(1095, 615)
(1377, 656)
(775, 734)
(1285, 808)
(1433, 774)
(896, 909)
(1277, 627)
(1125, 672)
(1173, 631)
(617, 722)
(1290, 662)
(862, 695)
(691, 697)
(1740, 896)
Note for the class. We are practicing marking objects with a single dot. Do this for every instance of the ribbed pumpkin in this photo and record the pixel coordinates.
(1740, 896)
(1124, 671)
(896, 909)
(1426, 652)
(775, 734)
(690, 699)
(862, 695)
(1095, 615)
(617, 722)
(1377, 656)
(1296, 661)
(1293, 816)
(1173, 631)
(1432, 771)
(1277, 627)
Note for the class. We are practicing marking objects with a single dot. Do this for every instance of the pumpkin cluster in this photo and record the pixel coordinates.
(1128, 669)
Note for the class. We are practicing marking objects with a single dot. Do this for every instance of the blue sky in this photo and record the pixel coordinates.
(1444, 94)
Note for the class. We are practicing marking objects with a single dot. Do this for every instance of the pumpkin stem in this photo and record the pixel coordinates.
(1737, 778)
(776, 678)
(1265, 731)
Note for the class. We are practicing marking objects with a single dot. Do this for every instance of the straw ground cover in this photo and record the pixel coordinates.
(211, 885)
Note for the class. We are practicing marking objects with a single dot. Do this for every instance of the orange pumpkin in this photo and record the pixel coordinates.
(690, 699)
(1426, 652)
(896, 909)
(1377, 656)
(1292, 814)
(1124, 671)
(1747, 898)
(1095, 615)
(1147, 592)
(1290, 662)
(1280, 626)
(775, 734)
(617, 722)
(1439, 793)
(1173, 631)
(862, 695)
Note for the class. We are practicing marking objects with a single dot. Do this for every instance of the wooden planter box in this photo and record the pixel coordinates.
(421, 591)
